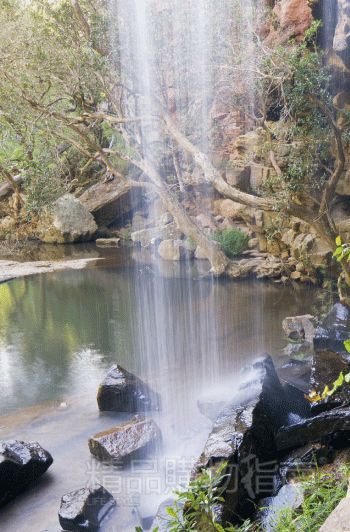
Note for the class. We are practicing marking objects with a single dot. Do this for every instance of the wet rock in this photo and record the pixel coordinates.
(315, 429)
(300, 327)
(20, 464)
(290, 496)
(121, 391)
(210, 408)
(70, 221)
(307, 457)
(299, 351)
(153, 235)
(243, 436)
(174, 250)
(85, 509)
(107, 242)
(330, 357)
(131, 440)
(334, 330)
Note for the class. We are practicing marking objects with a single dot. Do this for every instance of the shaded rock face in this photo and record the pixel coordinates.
(110, 201)
(20, 464)
(69, 222)
(85, 509)
(121, 391)
(131, 440)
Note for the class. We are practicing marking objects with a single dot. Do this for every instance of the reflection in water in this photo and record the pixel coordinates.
(59, 333)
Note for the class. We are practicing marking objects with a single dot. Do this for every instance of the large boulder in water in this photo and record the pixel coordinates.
(85, 509)
(128, 441)
(68, 222)
(20, 464)
(121, 391)
(243, 437)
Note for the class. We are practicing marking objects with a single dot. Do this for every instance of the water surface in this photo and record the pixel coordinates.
(186, 335)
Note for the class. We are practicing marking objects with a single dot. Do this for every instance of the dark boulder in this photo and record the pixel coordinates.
(20, 464)
(330, 356)
(314, 429)
(334, 330)
(85, 509)
(121, 391)
(243, 438)
(131, 440)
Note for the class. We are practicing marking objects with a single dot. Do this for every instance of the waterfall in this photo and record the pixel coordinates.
(174, 56)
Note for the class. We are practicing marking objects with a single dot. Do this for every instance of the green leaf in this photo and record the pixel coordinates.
(170, 511)
(338, 241)
(347, 345)
(340, 380)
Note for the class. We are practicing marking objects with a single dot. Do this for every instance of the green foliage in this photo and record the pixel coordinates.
(342, 250)
(232, 241)
(195, 507)
(323, 492)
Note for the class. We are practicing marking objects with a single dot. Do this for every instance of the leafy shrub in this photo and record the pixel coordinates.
(232, 241)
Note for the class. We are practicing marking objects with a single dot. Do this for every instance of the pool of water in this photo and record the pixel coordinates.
(186, 335)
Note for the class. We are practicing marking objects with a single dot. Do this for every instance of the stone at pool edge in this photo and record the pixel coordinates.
(130, 440)
(20, 464)
(121, 391)
(85, 509)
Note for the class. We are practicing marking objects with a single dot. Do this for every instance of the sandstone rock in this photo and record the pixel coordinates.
(152, 235)
(300, 327)
(231, 209)
(131, 440)
(200, 253)
(85, 509)
(253, 243)
(174, 250)
(205, 221)
(107, 242)
(20, 464)
(293, 18)
(69, 222)
(295, 276)
(121, 391)
(7, 224)
(110, 200)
